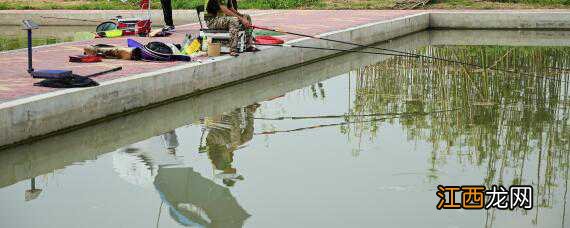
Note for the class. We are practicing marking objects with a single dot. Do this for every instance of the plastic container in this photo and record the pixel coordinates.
(214, 49)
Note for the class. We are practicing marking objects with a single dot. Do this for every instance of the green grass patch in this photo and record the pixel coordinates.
(283, 4)
(500, 4)
(133, 4)
(11, 43)
(251, 4)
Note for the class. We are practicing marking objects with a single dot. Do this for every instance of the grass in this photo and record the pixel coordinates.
(500, 4)
(132, 4)
(285, 4)
(11, 43)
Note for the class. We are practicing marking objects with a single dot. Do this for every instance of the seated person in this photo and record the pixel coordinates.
(223, 14)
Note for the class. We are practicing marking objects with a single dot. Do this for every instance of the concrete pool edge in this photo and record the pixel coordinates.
(559, 20)
(32, 117)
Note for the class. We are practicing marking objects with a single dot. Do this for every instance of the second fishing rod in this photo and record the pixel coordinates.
(337, 49)
(408, 53)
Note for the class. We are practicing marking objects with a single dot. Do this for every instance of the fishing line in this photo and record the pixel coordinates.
(336, 49)
(73, 19)
(390, 113)
(367, 52)
(557, 68)
(407, 53)
(330, 116)
(404, 115)
(393, 116)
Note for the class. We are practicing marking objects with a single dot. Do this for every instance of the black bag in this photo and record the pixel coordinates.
(68, 82)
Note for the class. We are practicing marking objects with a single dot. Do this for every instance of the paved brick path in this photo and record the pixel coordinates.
(15, 82)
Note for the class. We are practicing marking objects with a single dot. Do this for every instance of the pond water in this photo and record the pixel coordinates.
(353, 141)
(13, 37)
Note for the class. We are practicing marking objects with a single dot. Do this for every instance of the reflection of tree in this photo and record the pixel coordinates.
(226, 134)
(505, 122)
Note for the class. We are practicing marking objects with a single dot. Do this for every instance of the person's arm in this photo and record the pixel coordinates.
(235, 11)
(243, 20)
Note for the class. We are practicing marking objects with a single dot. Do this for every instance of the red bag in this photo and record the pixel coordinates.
(268, 40)
(84, 59)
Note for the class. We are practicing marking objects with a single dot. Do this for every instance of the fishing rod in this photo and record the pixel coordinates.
(336, 49)
(557, 68)
(104, 72)
(73, 19)
(402, 115)
(330, 116)
(354, 115)
(403, 52)
(390, 115)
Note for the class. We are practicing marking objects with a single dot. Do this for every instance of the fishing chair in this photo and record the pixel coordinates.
(217, 35)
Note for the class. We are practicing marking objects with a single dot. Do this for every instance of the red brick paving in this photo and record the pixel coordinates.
(15, 82)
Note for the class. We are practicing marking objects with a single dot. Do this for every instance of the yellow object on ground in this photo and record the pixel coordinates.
(113, 33)
(193, 47)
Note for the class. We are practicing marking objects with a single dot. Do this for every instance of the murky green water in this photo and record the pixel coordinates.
(353, 141)
(13, 37)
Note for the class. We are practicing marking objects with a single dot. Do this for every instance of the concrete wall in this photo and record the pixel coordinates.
(503, 38)
(39, 115)
(500, 20)
(41, 16)
(94, 17)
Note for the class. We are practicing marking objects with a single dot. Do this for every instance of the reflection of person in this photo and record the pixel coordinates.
(226, 136)
(223, 14)
(33, 192)
(170, 141)
(167, 11)
(194, 200)
(139, 163)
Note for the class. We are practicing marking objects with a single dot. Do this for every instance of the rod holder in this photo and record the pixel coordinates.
(29, 25)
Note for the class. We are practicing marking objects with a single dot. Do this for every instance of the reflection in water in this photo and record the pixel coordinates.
(504, 123)
(33, 192)
(226, 134)
(321, 93)
(138, 164)
(170, 140)
(191, 198)
(195, 200)
(512, 129)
